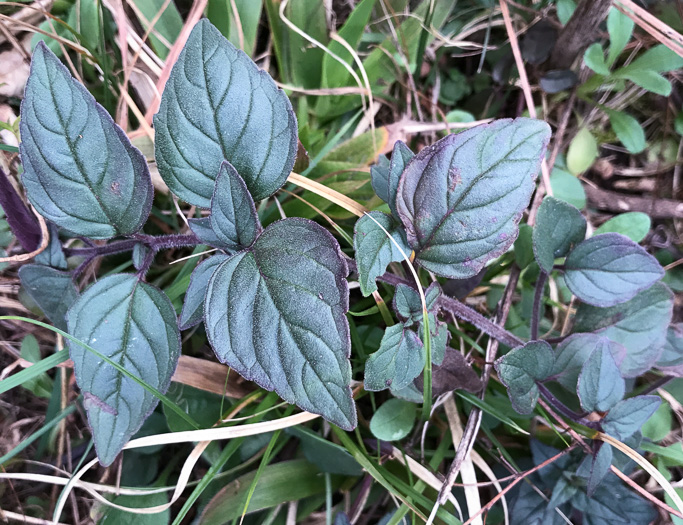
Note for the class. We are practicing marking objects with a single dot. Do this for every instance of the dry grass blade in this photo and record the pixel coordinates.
(653, 25)
(328, 193)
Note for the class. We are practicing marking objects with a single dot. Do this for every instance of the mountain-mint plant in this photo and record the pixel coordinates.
(273, 300)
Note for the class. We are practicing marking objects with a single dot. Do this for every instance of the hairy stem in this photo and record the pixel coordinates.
(154, 242)
(538, 299)
(564, 410)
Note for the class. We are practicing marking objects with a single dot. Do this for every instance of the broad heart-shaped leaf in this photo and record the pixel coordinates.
(217, 105)
(519, 370)
(573, 352)
(80, 170)
(385, 177)
(53, 291)
(460, 199)
(671, 359)
(399, 360)
(134, 324)
(600, 384)
(408, 305)
(233, 214)
(374, 250)
(639, 324)
(559, 226)
(276, 313)
(629, 415)
(610, 269)
(193, 306)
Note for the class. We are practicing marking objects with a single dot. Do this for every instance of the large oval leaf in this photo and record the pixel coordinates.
(460, 199)
(276, 313)
(217, 105)
(53, 291)
(134, 324)
(80, 170)
(609, 269)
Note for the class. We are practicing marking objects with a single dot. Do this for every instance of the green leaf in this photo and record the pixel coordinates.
(628, 130)
(53, 291)
(524, 253)
(568, 188)
(671, 359)
(399, 360)
(217, 105)
(460, 200)
(610, 269)
(559, 226)
(620, 29)
(80, 170)
(193, 305)
(393, 420)
(565, 10)
(276, 314)
(639, 324)
(41, 385)
(374, 249)
(600, 384)
(647, 79)
(439, 334)
(221, 14)
(385, 181)
(519, 370)
(678, 123)
(202, 229)
(594, 57)
(573, 352)
(327, 456)
(658, 58)
(629, 415)
(233, 214)
(53, 255)
(167, 25)
(139, 255)
(408, 304)
(114, 516)
(659, 425)
(594, 468)
(635, 225)
(133, 323)
(582, 152)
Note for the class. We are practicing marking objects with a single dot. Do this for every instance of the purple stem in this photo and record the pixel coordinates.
(563, 409)
(538, 298)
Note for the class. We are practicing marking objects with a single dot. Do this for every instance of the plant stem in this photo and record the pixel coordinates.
(565, 410)
(154, 242)
(538, 299)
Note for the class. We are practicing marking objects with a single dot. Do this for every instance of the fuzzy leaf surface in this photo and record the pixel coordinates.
(134, 324)
(80, 170)
(53, 291)
(460, 200)
(610, 269)
(233, 214)
(671, 358)
(407, 302)
(374, 250)
(594, 468)
(399, 360)
(600, 385)
(193, 305)
(574, 351)
(453, 373)
(629, 415)
(217, 105)
(639, 324)
(559, 226)
(386, 176)
(276, 313)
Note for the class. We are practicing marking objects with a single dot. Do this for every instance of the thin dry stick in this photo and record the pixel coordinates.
(526, 88)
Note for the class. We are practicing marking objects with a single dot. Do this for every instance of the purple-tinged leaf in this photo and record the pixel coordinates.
(408, 305)
(629, 415)
(399, 360)
(559, 226)
(573, 352)
(385, 175)
(454, 373)
(610, 269)
(671, 359)
(600, 384)
(193, 305)
(594, 468)
(460, 200)
(53, 291)
(639, 324)
(23, 223)
(53, 255)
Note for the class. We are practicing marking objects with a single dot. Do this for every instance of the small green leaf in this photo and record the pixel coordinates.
(233, 214)
(647, 79)
(594, 57)
(439, 334)
(635, 225)
(94, 183)
(610, 269)
(167, 26)
(276, 314)
(574, 351)
(133, 323)
(193, 306)
(671, 359)
(139, 255)
(566, 187)
(53, 255)
(114, 516)
(327, 456)
(385, 181)
(629, 415)
(519, 370)
(559, 226)
(374, 249)
(217, 105)
(639, 324)
(678, 123)
(393, 420)
(408, 304)
(40, 385)
(399, 360)
(582, 152)
(202, 229)
(628, 130)
(565, 10)
(53, 291)
(658, 58)
(524, 253)
(460, 200)
(659, 425)
(620, 28)
(594, 468)
(600, 384)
